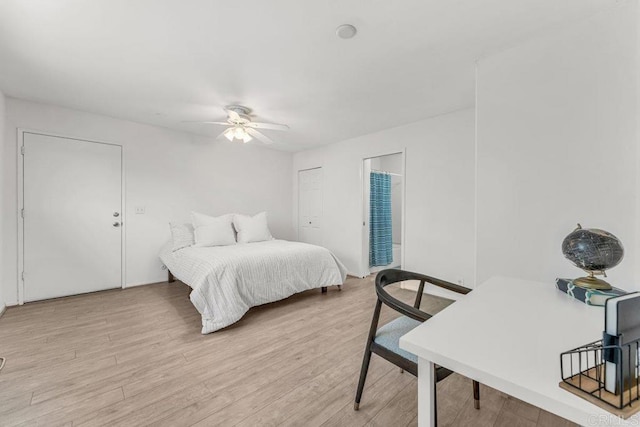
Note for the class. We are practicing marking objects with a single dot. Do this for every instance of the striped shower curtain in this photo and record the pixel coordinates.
(380, 226)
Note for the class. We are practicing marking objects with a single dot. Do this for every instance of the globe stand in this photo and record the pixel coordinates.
(592, 282)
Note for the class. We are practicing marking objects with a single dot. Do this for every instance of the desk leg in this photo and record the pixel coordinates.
(426, 393)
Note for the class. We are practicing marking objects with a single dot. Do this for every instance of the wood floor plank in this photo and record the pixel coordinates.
(399, 410)
(521, 409)
(271, 380)
(174, 385)
(491, 403)
(98, 383)
(260, 356)
(238, 394)
(136, 357)
(317, 411)
(80, 408)
(547, 419)
(454, 394)
(15, 403)
(375, 397)
(33, 361)
(147, 414)
(44, 377)
(509, 419)
(308, 393)
(41, 413)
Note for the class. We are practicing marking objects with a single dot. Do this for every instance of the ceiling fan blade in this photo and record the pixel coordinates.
(233, 116)
(259, 136)
(271, 126)
(220, 136)
(207, 122)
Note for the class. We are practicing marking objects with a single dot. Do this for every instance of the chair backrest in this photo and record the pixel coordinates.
(387, 277)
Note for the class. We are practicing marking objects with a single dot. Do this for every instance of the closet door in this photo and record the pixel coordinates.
(310, 206)
(72, 216)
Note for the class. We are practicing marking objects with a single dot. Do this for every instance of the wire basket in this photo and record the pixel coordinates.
(604, 371)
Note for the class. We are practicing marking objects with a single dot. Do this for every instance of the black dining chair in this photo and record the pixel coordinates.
(385, 342)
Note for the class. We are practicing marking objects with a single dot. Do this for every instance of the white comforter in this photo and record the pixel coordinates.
(228, 280)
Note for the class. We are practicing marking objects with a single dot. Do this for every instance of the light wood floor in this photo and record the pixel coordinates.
(136, 357)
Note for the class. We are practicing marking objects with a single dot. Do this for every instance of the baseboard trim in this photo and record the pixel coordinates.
(135, 285)
(3, 308)
(7, 305)
(357, 276)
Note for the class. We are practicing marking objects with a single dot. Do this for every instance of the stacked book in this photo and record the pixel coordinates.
(621, 339)
(587, 296)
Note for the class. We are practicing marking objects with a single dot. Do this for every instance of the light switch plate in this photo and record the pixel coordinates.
(139, 210)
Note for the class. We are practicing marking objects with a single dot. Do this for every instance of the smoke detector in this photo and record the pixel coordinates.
(346, 31)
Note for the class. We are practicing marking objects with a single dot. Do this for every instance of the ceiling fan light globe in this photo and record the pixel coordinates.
(239, 133)
(246, 138)
(229, 134)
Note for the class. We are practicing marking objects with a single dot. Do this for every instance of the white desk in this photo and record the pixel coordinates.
(508, 334)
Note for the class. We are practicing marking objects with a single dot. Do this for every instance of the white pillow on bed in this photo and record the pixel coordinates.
(213, 231)
(181, 236)
(252, 228)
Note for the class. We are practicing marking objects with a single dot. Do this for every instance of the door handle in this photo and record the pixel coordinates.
(116, 224)
(116, 214)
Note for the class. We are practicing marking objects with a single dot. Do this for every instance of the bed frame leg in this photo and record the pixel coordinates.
(171, 279)
(324, 289)
(339, 287)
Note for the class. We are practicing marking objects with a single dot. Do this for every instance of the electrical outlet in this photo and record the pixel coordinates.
(140, 210)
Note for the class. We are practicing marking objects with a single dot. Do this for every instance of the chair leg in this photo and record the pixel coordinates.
(476, 394)
(363, 377)
(324, 289)
(367, 353)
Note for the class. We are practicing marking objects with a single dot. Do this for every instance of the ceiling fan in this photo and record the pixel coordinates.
(241, 127)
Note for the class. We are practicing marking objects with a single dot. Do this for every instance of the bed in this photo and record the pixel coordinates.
(228, 280)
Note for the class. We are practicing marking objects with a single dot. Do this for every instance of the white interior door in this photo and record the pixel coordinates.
(310, 206)
(72, 216)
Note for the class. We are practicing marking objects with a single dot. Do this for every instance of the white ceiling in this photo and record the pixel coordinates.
(165, 61)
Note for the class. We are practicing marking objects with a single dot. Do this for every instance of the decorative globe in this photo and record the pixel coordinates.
(594, 251)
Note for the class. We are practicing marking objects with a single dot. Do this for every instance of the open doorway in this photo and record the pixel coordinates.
(383, 224)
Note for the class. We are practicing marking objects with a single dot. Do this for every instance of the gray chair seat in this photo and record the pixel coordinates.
(388, 336)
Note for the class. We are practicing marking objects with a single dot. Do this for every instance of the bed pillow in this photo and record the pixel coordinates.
(252, 228)
(213, 231)
(181, 236)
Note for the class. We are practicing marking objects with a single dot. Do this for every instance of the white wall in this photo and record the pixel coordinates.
(170, 173)
(557, 144)
(556, 141)
(2, 207)
(439, 173)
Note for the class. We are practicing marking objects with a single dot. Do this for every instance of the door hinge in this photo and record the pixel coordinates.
(22, 150)
(22, 276)
(22, 213)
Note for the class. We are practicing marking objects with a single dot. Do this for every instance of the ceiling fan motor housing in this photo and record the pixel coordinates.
(242, 111)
